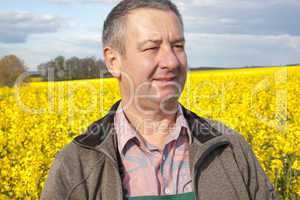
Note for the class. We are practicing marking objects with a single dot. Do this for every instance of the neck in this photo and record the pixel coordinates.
(151, 119)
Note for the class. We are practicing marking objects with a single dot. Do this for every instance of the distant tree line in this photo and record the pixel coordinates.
(73, 68)
(11, 67)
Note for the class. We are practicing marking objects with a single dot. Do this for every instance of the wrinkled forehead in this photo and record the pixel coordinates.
(147, 23)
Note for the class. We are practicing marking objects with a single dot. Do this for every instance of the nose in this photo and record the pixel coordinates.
(168, 59)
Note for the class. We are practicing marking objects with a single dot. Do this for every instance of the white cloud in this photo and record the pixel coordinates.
(42, 48)
(228, 21)
(82, 1)
(239, 3)
(219, 32)
(271, 17)
(240, 49)
(15, 27)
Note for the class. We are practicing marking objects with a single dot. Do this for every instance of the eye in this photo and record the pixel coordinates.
(179, 46)
(151, 49)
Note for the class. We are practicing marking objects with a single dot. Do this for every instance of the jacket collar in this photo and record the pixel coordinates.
(101, 135)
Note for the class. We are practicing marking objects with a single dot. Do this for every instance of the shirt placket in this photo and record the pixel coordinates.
(163, 170)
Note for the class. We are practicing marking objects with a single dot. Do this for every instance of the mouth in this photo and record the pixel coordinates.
(165, 79)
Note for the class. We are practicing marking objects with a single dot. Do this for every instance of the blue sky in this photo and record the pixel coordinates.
(218, 32)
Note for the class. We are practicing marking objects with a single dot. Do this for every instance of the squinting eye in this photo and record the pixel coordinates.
(151, 49)
(179, 46)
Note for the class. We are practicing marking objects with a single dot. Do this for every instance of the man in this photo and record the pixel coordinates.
(149, 146)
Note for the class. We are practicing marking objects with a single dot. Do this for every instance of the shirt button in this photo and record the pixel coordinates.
(167, 191)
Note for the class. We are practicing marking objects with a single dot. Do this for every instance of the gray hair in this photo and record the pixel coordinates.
(114, 27)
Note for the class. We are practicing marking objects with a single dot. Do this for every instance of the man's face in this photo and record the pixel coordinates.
(155, 63)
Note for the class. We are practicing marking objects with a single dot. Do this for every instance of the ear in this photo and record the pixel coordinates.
(112, 60)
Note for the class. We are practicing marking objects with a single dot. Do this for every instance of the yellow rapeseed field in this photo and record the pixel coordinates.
(38, 119)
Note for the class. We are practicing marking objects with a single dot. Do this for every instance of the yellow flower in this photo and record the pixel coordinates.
(38, 119)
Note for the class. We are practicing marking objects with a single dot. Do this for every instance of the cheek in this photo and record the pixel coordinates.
(135, 76)
(183, 66)
(142, 68)
(183, 59)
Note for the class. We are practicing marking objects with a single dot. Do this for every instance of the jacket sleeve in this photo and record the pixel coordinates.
(56, 186)
(259, 186)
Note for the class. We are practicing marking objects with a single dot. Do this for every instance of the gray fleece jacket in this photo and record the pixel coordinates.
(222, 164)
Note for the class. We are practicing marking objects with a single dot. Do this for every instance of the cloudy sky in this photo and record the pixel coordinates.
(218, 32)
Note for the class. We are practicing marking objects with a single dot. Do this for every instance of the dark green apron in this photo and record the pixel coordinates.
(183, 196)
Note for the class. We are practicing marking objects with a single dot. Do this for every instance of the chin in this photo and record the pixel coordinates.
(168, 97)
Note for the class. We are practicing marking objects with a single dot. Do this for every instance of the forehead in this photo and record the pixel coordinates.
(148, 23)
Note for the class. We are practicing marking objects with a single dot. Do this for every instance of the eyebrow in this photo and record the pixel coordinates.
(179, 40)
(158, 41)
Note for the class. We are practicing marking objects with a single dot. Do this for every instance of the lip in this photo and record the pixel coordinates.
(165, 78)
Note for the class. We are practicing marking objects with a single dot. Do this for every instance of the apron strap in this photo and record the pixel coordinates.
(183, 196)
